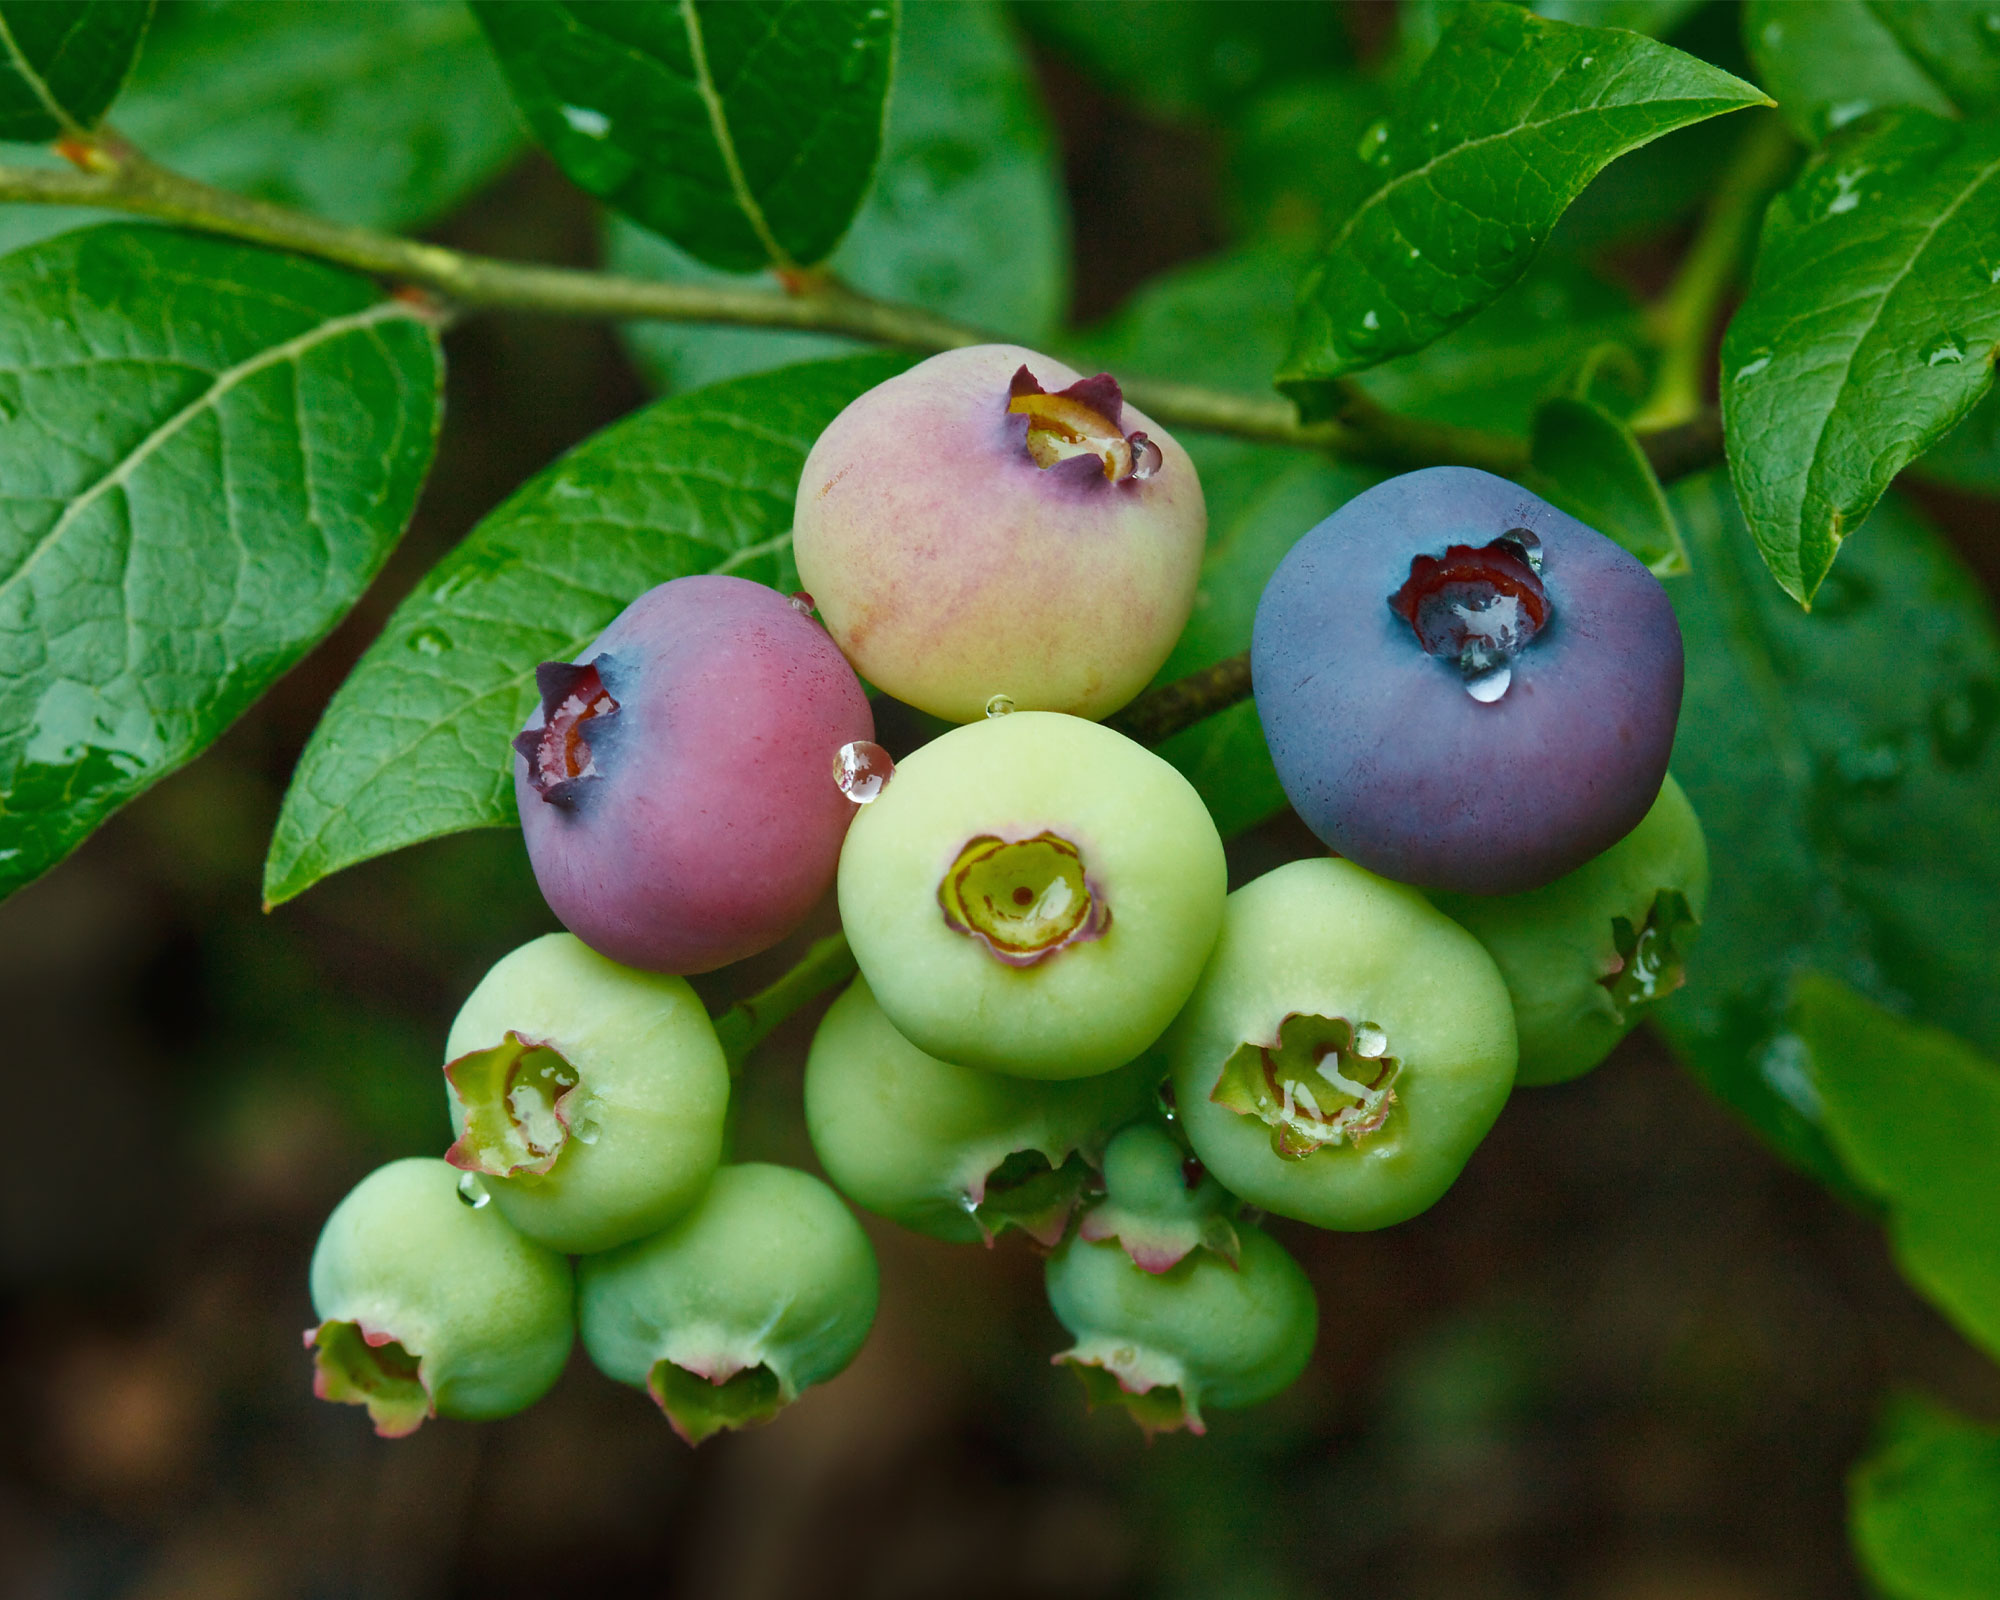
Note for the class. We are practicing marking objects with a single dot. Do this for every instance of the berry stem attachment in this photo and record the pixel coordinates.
(746, 1024)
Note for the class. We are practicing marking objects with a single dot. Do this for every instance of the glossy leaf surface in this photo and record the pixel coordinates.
(965, 218)
(207, 452)
(61, 62)
(416, 742)
(1844, 766)
(745, 131)
(1586, 461)
(1509, 119)
(1868, 331)
(1829, 63)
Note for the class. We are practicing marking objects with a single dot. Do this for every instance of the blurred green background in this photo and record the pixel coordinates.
(1629, 1357)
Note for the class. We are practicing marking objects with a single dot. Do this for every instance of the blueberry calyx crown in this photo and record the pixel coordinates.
(558, 752)
(1477, 606)
(700, 1403)
(1085, 420)
(358, 1366)
(519, 1100)
(1026, 1191)
(1152, 1385)
(1323, 1081)
(1651, 962)
(1025, 900)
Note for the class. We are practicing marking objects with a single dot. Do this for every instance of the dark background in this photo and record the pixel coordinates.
(1629, 1357)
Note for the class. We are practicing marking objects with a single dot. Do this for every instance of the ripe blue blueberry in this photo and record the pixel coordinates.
(1464, 688)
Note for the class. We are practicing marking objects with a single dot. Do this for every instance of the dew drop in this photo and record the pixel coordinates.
(1370, 1040)
(586, 1129)
(472, 1191)
(802, 602)
(1000, 705)
(1147, 458)
(1947, 352)
(591, 124)
(1529, 543)
(1586, 61)
(1371, 322)
(1374, 147)
(430, 642)
(1750, 369)
(1490, 685)
(862, 770)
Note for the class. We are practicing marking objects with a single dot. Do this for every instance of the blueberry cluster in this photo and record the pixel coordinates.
(1063, 1022)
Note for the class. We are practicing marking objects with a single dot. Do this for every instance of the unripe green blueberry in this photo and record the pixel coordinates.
(1585, 956)
(1032, 895)
(951, 1151)
(1204, 1333)
(589, 1097)
(767, 1287)
(1159, 1202)
(966, 533)
(431, 1306)
(1347, 1049)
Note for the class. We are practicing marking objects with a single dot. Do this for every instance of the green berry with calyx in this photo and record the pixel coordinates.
(432, 1305)
(1586, 957)
(588, 1096)
(1347, 1049)
(951, 1151)
(1033, 895)
(767, 1287)
(1160, 1202)
(1204, 1333)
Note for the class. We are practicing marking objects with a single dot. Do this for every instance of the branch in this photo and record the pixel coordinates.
(116, 177)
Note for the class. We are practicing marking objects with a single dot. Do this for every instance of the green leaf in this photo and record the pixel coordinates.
(966, 217)
(207, 451)
(1968, 457)
(1508, 121)
(1844, 765)
(61, 62)
(1586, 461)
(383, 113)
(1958, 45)
(415, 743)
(1867, 333)
(1184, 62)
(1421, 23)
(1831, 62)
(1915, 1115)
(745, 131)
(1924, 1509)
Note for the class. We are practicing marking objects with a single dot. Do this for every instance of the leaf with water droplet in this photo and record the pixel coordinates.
(1830, 62)
(1587, 461)
(1503, 127)
(1870, 330)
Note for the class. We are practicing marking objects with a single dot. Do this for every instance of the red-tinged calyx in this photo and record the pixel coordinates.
(1650, 964)
(1025, 900)
(1476, 605)
(1152, 1386)
(702, 1399)
(1159, 1203)
(1158, 1243)
(558, 753)
(358, 1366)
(519, 1101)
(1086, 419)
(1322, 1082)
(1025, 1191)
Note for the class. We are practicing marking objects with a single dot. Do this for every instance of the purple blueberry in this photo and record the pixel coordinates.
(1464, 688)
(676, 787)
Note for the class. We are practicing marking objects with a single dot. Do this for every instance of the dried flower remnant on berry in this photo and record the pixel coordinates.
(357, 1366)
(1651, 960)
(558, 753)
(518, 1098)
(1084, 420)
(1477, 606)
(1321, 1082)
(1025, 900)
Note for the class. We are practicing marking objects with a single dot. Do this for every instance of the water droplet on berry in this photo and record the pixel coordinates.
(584, 1126)
(1490, 685)
(1000, 705)
(862, 770)
(802, 602)
(472, 1191)
(1529, 543)
(1370, 1040)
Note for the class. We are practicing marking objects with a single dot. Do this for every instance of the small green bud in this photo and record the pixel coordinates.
(767, 1287)
(951, 1151)
(1160, 1202)
(588, 1096)
(431, 1305)
(1203, 1333)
